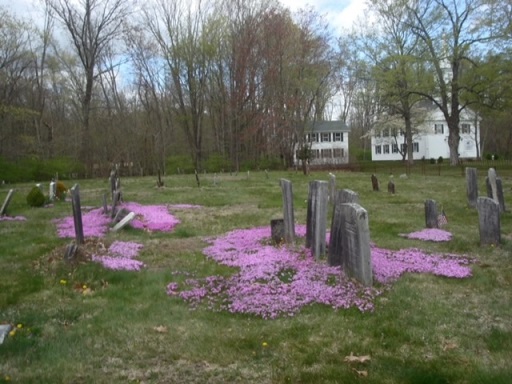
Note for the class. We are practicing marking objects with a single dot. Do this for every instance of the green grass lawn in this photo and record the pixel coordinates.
(126, 329)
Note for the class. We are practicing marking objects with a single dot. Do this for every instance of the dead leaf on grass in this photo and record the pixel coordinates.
(160, 329)
(449, 345)
(357, 359)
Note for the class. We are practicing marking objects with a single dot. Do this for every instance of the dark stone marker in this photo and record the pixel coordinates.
(277, 231)
(6, 203)
(115, 202)
(288, 214)
(391, 187)
(499, 192)
(431, 214)
(317, 217)
(375, 183)
(356, 257)
(105, 207)
(471, 186)
(489, 221)
(77, 214)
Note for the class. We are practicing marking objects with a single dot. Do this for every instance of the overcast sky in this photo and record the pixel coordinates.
(340, 14)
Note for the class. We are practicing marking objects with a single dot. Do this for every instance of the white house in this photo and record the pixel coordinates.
(430, 139)
(328, 142)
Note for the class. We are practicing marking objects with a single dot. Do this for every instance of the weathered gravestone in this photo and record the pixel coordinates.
(489, 182)
(491, 176)
(334, 250)
(471, 186)
(288, 214)
(489, 221)
(124, 222)
(332, 187)
(6, 203)
(115, 202)
(375, 183)
(354, 234)
(431, 214)
(391, 187)
(77, 214)
(71, 252)
(317, 217)
(105, 207)
(277, 231)
(52, 191)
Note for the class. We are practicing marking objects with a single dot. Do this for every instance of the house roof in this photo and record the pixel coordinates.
(329, 126)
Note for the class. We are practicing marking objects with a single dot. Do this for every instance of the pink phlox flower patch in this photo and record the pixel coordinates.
(120, 256)
(94, 223)
(279, 281)
(151, 217)
(13, 218)
(389, 265)
(272, 281)
(430, 234)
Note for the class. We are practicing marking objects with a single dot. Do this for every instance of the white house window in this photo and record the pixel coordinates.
(326, 137)
(338, 152)
(394, 148)
(314, 137)
(315, 153)
(326, 153)
(378, 149)
(415, 147)
(338, 136)
(438, 128)
(386, 148)
(465, 128)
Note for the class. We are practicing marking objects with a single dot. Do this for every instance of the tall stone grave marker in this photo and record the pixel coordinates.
(77, 214)
(334, 251)
(375, 183)
(471, 186)
(332, 187)
(6, 203)
(288, 214)
(489, 221)
(492, 181)
(431, 214)
(52, 191)
(317, 218)
(356, 258)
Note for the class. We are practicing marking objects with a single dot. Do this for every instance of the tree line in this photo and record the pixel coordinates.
(233, 85)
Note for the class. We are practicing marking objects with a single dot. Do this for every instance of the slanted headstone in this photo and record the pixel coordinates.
(491, 174)
(375, 183)
(391, 187)
(77, 214)
(489, 221)
(288, 213)
(431, 214)
(499, 192)
(124, 222)
(332, 187)
(4, 331)
(471, 186)
(317, 217)
(277, 231)
(6, 203)
(52, 191)
(354, 236)
(120, 215)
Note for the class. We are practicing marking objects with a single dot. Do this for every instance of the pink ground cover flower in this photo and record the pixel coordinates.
(120, 256)
(151, 217)
(279, 281)
(94, 222)
(430, 234)
(13, 218)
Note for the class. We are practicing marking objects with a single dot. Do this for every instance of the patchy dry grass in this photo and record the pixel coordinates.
(124, 328)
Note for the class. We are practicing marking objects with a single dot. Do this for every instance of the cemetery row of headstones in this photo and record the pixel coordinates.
(349, 244)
